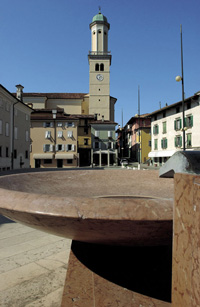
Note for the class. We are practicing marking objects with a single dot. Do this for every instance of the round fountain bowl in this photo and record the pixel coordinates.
(116, 207)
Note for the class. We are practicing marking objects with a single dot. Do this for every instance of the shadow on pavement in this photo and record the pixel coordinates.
(5, 220)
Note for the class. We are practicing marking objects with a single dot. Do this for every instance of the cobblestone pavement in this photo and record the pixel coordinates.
(33, 266)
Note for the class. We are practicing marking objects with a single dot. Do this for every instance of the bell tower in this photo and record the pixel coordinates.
(99, 68)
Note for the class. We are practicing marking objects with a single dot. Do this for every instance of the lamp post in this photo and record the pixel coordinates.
(178, 79)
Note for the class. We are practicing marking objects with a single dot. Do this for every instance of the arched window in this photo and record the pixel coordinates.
(97, 67)
(101, 67)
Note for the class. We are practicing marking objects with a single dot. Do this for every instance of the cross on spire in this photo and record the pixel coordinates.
(99, 9)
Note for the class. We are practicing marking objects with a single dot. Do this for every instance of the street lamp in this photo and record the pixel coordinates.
(178, 79)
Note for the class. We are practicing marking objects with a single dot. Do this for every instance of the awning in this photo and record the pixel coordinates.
(64, 156)
(43, 156)
(163, 153)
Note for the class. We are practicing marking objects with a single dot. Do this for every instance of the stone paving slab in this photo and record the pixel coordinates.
(33, 266)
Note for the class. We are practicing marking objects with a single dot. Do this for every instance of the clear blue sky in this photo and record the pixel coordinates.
(44, 46)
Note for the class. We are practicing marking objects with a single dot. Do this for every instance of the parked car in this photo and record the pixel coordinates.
(124, 162)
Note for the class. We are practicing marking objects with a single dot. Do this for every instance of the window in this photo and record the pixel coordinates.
(47, 147)
(48, 125)
(178, 141)
(96, 134)
(155, 144)
(27, 136)
(1, 126)
(149, 143)
(110, 145)
(69, 134)
(7, 152)
(164, 114)
(177, 124)
(97, 67)
(155, 129)
(189, 121)
(70, 147)
(47, 134)
(85, 130)
(101, 67)
(69, 124)
(85, 141)
(47, 161)
(189, 140)
(177, 109)
(60, 134)
(69, 161)
(110, 134)
(164, 143)
(15, 133)
(26, 154)
(59, 124)
(96, 145)
(60, 147)
(165, 127)
(15, 154)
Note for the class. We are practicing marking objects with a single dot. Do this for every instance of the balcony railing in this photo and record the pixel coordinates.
(99, 53)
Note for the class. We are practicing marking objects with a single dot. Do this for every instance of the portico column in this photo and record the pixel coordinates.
(100, 157)
(108, 157)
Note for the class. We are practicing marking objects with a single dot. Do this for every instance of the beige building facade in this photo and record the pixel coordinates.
(14, 132)
(53, 139)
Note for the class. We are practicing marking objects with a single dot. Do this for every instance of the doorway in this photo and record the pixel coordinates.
(60, 163)
(37, 163)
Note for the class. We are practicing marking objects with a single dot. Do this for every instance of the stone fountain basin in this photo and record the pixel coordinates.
(116, 207)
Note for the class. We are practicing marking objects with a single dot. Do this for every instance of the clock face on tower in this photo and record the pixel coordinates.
(99, 77)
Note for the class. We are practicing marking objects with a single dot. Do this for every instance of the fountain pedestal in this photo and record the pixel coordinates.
(100, 275)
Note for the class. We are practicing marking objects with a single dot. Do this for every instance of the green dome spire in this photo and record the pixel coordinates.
(99, 17)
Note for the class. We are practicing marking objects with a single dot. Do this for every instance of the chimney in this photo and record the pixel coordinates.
(102, 118)
(19, 94)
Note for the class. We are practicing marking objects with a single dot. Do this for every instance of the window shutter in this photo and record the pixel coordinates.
(161, 143)
(165, 143)
(67, 147)
(180, 140)
(185, 122)
(44, 125)
(73, 147)
(56, 147)
(44, 148)
(51, 147)
(112, 145)
(153, 129)
(109, 134)
(51, 124)
(175, 125)
(175, 141)
(63, 147)
(192, 121)
(46, 134)
(73, 125)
